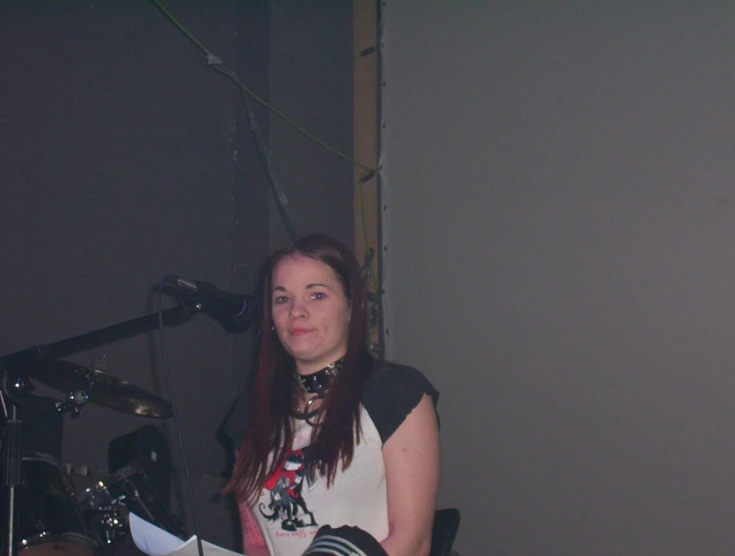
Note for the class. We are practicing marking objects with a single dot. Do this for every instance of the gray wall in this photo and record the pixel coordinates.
(559, 233)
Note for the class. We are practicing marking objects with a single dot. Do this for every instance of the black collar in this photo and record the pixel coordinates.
(318, 382)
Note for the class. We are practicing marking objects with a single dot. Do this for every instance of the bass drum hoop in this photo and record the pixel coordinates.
(48, 543)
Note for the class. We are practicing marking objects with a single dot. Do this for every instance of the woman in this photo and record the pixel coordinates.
(333, 438)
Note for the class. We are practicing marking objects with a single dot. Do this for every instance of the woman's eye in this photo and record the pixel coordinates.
(280, 299)
(318, 295)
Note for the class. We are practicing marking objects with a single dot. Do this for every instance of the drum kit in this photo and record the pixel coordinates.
(51, 518)
(43, 513)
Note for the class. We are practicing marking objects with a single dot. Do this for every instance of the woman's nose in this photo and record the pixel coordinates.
(298, 309)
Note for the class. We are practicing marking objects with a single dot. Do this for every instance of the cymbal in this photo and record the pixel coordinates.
(102, 389)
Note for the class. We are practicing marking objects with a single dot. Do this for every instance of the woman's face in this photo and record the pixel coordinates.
(311, 313)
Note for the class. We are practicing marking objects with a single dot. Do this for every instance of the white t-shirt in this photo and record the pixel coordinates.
(291, 508)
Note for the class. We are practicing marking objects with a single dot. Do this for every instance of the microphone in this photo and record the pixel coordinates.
(233, 311)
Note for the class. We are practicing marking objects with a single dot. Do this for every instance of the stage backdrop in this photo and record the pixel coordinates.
(124, 157)
(559, 226)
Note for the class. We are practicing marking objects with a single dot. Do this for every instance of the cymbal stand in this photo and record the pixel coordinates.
(72, 404)
(11, 393)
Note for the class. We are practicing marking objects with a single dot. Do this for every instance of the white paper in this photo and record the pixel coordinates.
(154, 541)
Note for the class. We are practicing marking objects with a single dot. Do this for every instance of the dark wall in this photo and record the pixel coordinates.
(311, 79)
(124, 158)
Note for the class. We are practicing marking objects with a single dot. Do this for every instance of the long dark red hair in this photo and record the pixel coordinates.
(272, 392)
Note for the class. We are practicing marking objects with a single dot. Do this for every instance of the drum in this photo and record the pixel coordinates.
(47, 517)
(107, 504)
(105, 515)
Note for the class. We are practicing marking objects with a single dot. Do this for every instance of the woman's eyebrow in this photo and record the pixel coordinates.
(308, 286)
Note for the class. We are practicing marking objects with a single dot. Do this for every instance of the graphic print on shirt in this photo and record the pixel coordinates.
(285, 486)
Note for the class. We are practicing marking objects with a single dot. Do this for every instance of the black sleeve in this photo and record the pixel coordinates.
(344, 540)
(392, 392)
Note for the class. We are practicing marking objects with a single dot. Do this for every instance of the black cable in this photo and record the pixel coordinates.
(175, 413)
(278, 195)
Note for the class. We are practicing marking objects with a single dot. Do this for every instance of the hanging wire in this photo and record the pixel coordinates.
(366, 173)
(220, 66)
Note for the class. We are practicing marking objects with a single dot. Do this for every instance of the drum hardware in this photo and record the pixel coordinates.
(107, 505)
(85, 384)
(43, 363)
(10, 394)
(83, 471)
(49, 521)
(73, 404)
(42, 517)
(146, 448)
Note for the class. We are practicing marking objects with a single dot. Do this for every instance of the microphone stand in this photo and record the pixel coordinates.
(22, 360)
(16, 368)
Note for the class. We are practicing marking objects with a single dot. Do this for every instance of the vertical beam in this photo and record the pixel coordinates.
(365, 141)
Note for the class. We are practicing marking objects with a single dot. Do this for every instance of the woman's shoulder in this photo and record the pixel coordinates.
(391, 392)
(389, 375)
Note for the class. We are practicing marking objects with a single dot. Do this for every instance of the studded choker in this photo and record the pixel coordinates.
(318, 382)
